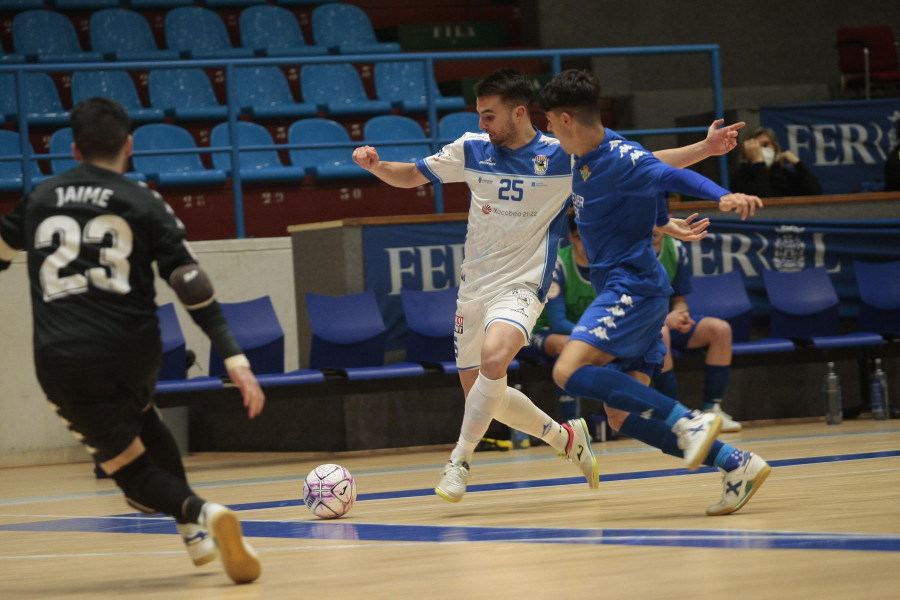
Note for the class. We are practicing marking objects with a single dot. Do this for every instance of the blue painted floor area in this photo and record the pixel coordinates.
(350, 531)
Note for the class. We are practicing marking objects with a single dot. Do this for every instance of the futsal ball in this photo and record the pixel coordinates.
(329, 491)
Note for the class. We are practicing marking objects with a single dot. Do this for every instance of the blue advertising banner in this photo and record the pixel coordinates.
(844, 144)
(428, 256)
(420, 256)
(756, 244)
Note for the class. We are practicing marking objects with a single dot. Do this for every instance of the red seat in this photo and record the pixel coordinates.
(868, 57)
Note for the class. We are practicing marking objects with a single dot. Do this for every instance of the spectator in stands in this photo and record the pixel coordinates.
(686, 331)
(766, 171)
(892, 166)
(92, 236)
(520, 184)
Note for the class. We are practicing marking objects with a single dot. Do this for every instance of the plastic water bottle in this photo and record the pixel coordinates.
(880, 408)
(831, 389)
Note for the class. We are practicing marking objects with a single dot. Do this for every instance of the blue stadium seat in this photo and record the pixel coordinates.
(453, 125)
(338, 90)
(804, 308)
(256, 165)
(256, 328)
(348, 335)
(346, 29)
(158, 4)
(231, 3)
(263, 93)
(10, 58)
(274, 31)
(125, 35)
(724, 296)
(382, 130)
(42, 103)
(879, 294)
(430, 320)
(173, 369)
(185, 94)
(68, 5)
(403, 84)
(61, 143)
(171, 169)
(324, 163)
(200, 33)
(11, 179)
(48, 36)
(117, 85)
(17, 5)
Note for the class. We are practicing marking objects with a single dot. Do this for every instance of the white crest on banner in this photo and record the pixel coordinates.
(790, 249)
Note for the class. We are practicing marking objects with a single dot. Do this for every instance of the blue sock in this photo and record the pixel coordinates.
(714, 382)
(666, 384)
(728, 458)
(657, 434)
(623, 392)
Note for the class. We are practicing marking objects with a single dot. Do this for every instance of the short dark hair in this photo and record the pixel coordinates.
(512, 85)
(100, 128)
(574, 91)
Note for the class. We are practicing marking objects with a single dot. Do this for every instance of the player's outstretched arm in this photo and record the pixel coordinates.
(686, 230)
(719, 140)
(742, 203)
(397, 174)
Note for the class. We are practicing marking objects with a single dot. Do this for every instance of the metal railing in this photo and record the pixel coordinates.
(429, 59)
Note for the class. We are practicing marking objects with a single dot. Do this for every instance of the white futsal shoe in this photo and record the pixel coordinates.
(453, 480)
(729, 425)
(579, 451)
(739, 485)
(696, 433)
(239, 558)
(199, 544)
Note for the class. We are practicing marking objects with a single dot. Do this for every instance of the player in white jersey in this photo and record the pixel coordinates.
(519, 181)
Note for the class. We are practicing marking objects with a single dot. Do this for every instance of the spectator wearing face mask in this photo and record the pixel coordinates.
(766, 171)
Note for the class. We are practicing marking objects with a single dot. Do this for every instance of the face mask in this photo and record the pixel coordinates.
(768, 156)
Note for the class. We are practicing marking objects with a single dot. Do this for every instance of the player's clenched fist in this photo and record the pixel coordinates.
(366, 157)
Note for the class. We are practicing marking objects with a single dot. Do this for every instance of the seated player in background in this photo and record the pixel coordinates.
(685, 331)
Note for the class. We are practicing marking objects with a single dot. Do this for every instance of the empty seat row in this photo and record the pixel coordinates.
(194, 32)
(333, 161)
(260, 92)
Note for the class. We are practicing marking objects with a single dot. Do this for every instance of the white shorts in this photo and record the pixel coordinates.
(517, 306)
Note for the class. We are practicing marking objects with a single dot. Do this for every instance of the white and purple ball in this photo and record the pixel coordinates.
(329, 491)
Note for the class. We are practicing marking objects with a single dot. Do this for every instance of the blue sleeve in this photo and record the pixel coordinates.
(662, 210)
(689, 182)
(556, 312)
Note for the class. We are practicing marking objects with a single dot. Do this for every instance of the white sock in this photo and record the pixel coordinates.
(519, 412)
(481, 404)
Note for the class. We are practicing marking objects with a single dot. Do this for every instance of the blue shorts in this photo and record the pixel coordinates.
(628, 327)
(680, 340)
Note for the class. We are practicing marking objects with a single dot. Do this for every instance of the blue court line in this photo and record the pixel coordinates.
(347, 530)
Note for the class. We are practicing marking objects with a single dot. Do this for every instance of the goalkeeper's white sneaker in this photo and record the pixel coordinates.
(239, 558)
(452, 486)
(579, 451)
(199, 544)
(739, 485)
(729, 425)
(696, 433)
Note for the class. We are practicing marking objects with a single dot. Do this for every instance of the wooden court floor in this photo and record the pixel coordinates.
(825, 525)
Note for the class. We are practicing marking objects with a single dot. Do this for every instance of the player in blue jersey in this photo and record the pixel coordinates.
(616, 348)
(520, 182)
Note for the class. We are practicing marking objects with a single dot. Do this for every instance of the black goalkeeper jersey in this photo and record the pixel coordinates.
(91, 236)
